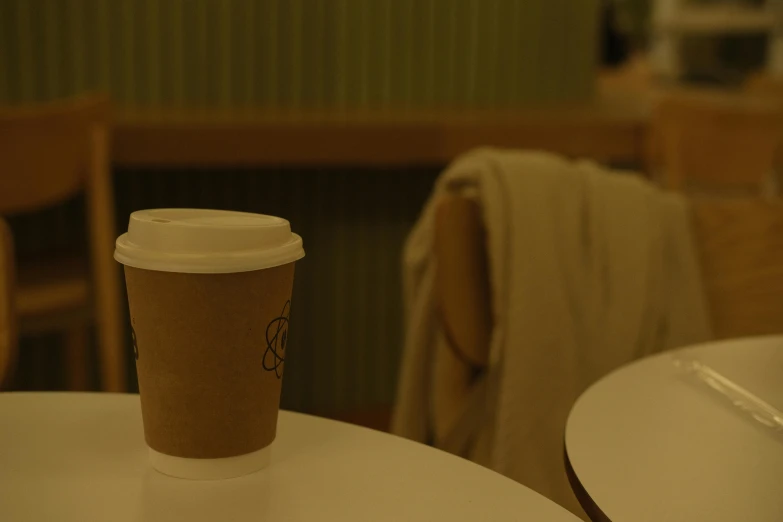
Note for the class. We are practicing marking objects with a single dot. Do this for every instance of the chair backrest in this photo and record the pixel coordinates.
(462, 278)
(8, 329)
(762, 84)
(716, 142)
(741, 249)
(45, 151)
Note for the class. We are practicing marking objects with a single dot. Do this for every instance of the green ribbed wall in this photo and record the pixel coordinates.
(299, 52)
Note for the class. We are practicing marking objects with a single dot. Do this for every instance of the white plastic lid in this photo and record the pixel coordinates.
(206, 241)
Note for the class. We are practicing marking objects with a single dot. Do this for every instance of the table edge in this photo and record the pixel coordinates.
(589, 506)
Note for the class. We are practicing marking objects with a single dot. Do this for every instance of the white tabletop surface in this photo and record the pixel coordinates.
(82, 457)
(650, 443)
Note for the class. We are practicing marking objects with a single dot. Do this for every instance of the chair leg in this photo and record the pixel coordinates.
(111, 348)
(38, 358)
(106, 274)
(76, 344)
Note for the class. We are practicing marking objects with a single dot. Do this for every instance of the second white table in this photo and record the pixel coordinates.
(650, 443)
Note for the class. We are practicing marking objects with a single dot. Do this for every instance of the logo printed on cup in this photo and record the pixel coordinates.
(135, 346)
(276, 337)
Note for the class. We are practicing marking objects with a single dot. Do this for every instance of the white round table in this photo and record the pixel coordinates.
(651, 442)
(77, 457)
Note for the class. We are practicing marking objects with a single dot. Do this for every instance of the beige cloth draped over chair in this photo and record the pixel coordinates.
(528, 277)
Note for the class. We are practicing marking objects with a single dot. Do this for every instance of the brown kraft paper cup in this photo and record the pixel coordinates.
(210, 352)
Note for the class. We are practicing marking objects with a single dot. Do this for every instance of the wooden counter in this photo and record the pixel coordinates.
(610, 129)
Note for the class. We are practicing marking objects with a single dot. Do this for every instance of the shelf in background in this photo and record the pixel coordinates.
(718, 19)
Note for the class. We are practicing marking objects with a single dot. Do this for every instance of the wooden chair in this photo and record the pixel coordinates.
(719, 143)
(762, 84)
(770, 87)
(741, 253)
(7, 306)
(48, 154)
(740, 243)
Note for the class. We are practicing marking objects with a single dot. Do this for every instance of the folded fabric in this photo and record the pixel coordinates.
(589, 269)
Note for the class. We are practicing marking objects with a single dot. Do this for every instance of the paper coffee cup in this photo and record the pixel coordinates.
(210, 298)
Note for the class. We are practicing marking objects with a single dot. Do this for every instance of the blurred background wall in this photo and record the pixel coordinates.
(710, 57)
(346, 336)
(300, 52)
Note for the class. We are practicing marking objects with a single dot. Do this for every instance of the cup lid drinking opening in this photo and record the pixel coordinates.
(206, 241)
